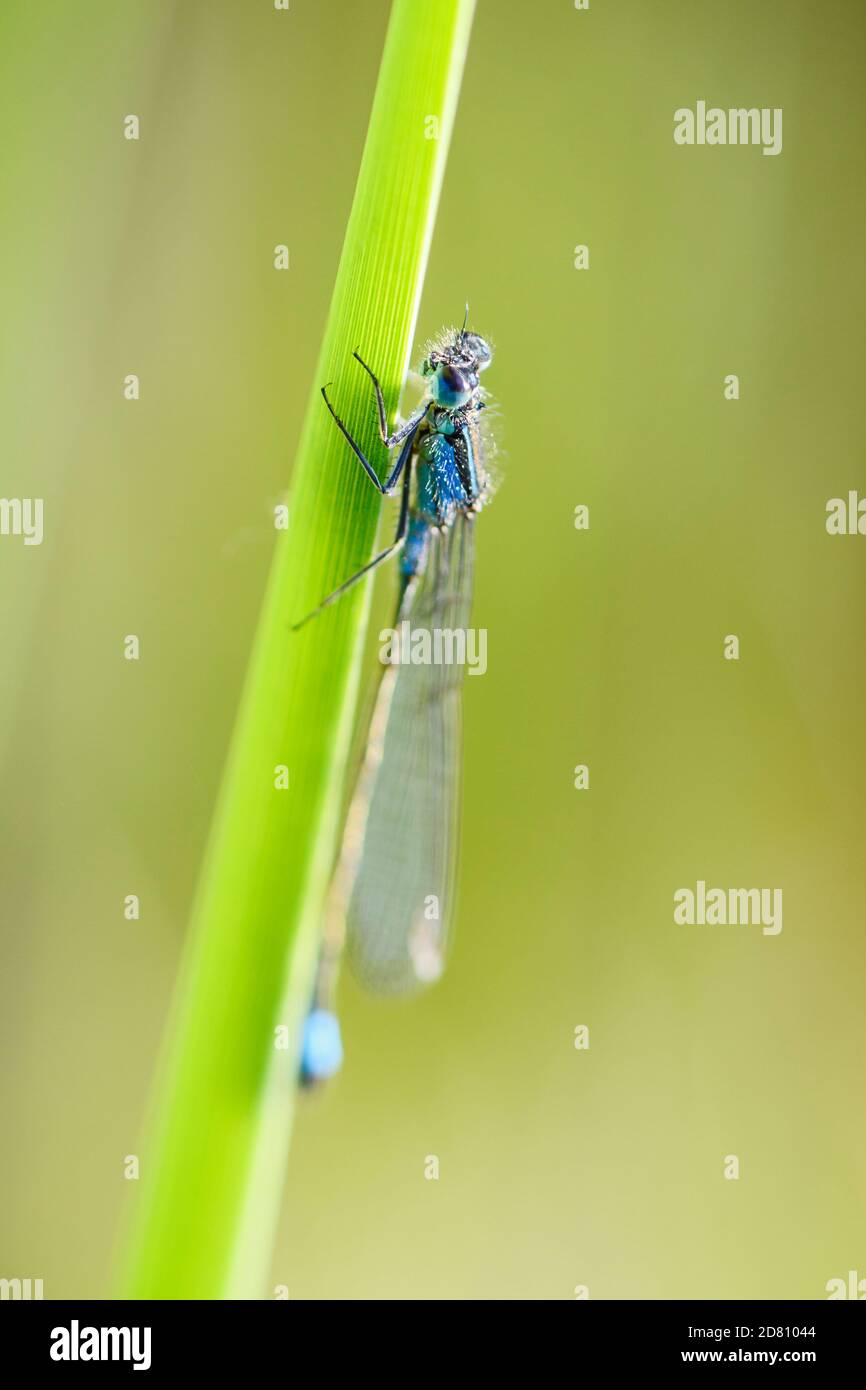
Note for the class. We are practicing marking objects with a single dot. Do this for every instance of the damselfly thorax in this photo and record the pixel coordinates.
(450, 479)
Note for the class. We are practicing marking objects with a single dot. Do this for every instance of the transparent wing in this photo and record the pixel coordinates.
(406, 813)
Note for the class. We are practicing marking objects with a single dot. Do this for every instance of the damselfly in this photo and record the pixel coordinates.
(393, 888)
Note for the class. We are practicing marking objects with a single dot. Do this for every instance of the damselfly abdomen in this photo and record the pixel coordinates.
(394, 883)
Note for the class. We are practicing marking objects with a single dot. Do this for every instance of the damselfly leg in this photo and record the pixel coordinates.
(404, 466)
(403, 432)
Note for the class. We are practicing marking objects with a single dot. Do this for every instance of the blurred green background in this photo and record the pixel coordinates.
(557, 1167)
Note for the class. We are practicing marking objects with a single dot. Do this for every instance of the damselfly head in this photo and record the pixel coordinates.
(454, 368)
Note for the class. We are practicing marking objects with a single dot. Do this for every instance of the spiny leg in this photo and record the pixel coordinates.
(396, 544)
(355, 447)
(389, 440)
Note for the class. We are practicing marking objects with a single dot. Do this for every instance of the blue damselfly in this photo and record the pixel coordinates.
(392, 896)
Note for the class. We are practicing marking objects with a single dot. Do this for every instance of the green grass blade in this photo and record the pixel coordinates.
(212, 1175)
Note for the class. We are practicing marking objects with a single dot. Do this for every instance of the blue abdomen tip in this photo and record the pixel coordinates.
(321, 1047)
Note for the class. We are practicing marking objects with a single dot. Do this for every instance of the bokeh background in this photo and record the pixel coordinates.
(558, 1167)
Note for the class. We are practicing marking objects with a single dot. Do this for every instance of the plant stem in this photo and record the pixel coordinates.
(212, 1181)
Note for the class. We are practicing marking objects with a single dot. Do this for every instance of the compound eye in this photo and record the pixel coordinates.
(454, 380)
(480, 350)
